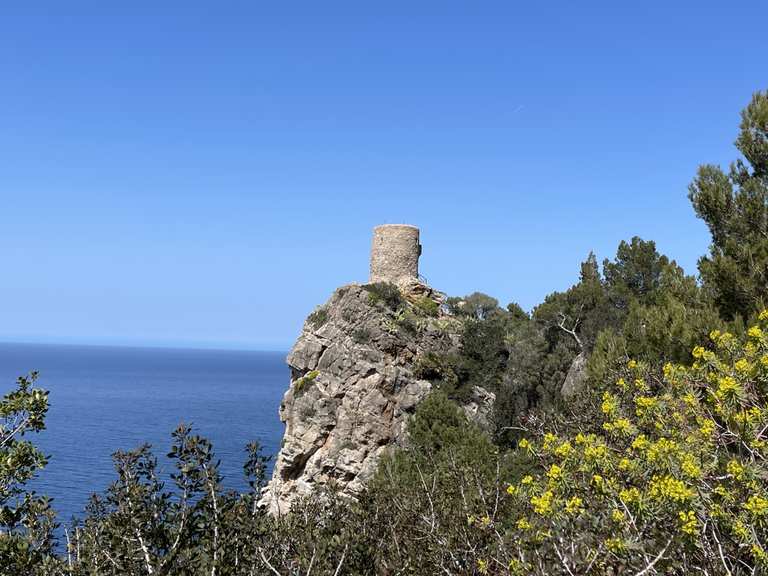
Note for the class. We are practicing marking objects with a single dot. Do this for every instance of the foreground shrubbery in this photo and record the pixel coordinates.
(661, 471)
(672, 473)
(26, 519)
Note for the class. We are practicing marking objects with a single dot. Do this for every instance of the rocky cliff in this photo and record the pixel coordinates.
(353, 386)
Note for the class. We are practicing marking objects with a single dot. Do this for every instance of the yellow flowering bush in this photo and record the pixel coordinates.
(666, 469)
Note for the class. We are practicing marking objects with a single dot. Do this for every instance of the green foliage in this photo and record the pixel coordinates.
(664, 464)
(574, 318)
(735, 208)
(609, 352)
(493, 343)
(407, 320)
(141, 527)
(661, 469)
(636, 272)
(386, 293)
(403, 316)
(419, 503)
(255, 467)
(643, 304)
(426, 306)
(667, 330)
(26, 520)
(439, 368)
(318, 317)
(361, 335)
(438, 423)
(300, 384)
(476, 306)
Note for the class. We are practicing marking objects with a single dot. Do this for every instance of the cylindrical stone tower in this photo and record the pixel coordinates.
(395, 253)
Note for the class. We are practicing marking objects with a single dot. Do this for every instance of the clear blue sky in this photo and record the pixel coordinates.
(189, 173)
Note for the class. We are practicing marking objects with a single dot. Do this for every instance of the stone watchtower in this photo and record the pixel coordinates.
(395, 253)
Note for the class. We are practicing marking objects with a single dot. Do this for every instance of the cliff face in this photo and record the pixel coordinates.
(353, 387)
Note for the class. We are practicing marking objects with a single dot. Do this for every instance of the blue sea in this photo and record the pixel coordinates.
(104, 399)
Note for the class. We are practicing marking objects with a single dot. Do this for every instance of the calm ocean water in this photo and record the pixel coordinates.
(103, 399)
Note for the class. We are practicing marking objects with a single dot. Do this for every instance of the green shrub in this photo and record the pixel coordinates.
(668, 465)
(386, 293)
(347, 315)
(426, 306)
(299, 386)
(444, 371)
(318, 317)
(361, 335)
(26, 519)
(407, 320)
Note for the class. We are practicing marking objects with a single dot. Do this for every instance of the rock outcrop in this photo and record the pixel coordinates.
(576, 377)
(353, 387)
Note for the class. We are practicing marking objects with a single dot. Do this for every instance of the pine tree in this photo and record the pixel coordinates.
(735, 208)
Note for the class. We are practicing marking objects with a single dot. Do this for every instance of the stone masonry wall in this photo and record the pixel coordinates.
(395, 253)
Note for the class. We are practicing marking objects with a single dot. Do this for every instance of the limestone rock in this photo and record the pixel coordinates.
(414, 290)
(352, 390)
(576, 377)
(479, 408)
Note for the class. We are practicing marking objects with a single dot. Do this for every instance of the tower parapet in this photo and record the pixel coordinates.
(395, 253)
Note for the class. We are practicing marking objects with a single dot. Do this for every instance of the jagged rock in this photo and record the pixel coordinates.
(352, 390)
(479, 408)
(413, 290)
(577, 375)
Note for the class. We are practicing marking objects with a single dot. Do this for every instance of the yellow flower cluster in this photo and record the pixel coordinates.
(610, 404)
(735, 469)
(690, 466)
(523, 524)
(755, 332)
(555, 473)
(663, 449)
(688, 522)
(681, 449)
(620, 426)
(564, 450)
(549, 441)
(667, 488)
(722, 340)
(630, 495)
(615, 545)
(645, 405)
(759, 553)
(743, 367)
(574, 505)
(727, 388)
(640, 443)
(757, 506)
(707, 427)
(542, 505)
(595, 453)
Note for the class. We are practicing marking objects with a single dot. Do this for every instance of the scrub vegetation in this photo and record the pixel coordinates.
(657, 464)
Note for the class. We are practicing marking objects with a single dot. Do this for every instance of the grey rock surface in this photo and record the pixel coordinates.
(479, 408)
(576, 377)
(352, 390)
